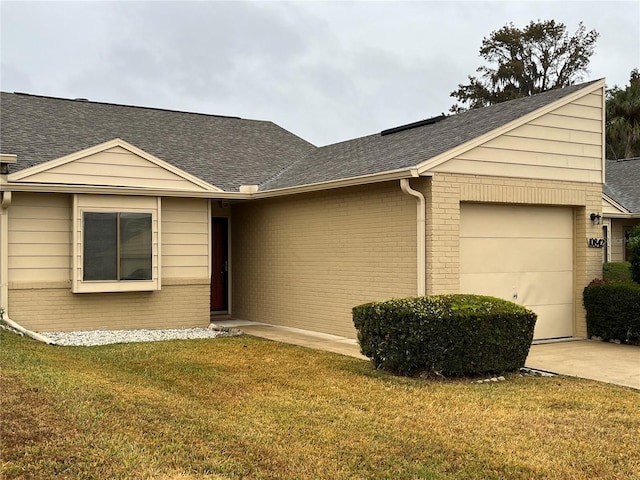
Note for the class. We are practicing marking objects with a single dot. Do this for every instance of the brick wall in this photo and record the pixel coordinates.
(443, 219)
(57, 309)
(305, 260)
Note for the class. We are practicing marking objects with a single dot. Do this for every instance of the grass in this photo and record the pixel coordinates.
(617, 272)
(249, 408)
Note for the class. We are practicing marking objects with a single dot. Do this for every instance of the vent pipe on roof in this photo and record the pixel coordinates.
(421, 225)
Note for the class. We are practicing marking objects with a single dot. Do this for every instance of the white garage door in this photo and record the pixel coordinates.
(523, 254)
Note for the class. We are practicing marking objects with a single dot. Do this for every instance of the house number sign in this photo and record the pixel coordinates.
(597, 242)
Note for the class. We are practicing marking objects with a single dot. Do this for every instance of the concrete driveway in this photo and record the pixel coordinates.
(605, 362)
(602, 361)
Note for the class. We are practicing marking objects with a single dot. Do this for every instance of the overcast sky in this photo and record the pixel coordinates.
(326, 71)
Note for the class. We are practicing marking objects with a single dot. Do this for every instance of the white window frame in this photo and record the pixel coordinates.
(114, 204)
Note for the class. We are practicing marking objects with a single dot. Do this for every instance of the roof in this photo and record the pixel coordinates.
(224, 151)
(228, 151)
(408, 147)
(622, 182)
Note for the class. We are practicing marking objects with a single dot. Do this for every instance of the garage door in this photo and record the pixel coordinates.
(523, 254)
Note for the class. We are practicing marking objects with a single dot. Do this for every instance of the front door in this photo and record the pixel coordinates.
(220, 265)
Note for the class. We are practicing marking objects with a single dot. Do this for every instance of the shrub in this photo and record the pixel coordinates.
(617, 271)
(634, 253)
(613, 311)
(452, 335)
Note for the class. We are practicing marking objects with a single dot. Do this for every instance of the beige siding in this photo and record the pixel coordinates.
(40, 238)
(447, 191)
(617, 245)
(40, 253)
(57, 309)
(304, 261)
(114, 167)
(185, 238)
(561, 145)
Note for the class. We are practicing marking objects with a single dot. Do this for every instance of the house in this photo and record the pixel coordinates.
(116, 217)
(620, 206)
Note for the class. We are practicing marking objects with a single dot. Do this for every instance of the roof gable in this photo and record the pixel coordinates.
(223, 151)
(562, 141)
(612, 208)
(424, 146)
(115, 163)
(562, 106)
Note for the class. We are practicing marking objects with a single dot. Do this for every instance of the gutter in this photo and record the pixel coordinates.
(421, 234)
(246, 192)
(5, 203)
(345, 182)
(106, 190)
(28, 333)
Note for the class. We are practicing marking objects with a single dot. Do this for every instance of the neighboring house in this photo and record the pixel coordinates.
(125, 217)
(620, 206)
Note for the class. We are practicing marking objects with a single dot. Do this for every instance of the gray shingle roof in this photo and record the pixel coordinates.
(379, 153)
(228, 151)
(224, 151)
(622, 182)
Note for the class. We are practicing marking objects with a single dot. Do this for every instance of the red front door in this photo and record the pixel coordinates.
(220, 267)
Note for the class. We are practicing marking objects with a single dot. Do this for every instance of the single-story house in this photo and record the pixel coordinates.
(115, 216)
(620, 206)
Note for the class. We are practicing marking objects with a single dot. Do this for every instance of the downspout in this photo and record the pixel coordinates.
(421, 234)
(4, 272)
(5, 201)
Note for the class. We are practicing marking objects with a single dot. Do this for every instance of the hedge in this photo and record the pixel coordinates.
(453, 335)
(613, 311)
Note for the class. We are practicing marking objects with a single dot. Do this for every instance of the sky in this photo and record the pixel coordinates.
(327, 71)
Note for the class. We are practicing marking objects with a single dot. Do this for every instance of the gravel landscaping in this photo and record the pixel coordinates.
(91, 338)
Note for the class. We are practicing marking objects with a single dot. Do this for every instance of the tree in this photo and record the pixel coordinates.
(623, 119)
(522, 62)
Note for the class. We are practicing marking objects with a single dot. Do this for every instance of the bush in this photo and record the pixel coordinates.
(452, 335)
(613, 311)
(617, 271)
(634, 256)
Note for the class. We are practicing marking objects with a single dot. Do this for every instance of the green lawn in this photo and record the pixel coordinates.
(243, 407)
(617, 272)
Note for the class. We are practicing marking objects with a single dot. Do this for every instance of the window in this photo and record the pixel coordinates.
(117, 246)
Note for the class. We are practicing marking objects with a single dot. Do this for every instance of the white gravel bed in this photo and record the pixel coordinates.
(90, 338)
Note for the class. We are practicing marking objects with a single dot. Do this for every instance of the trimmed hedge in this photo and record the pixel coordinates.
(613, 311)
(452, 335)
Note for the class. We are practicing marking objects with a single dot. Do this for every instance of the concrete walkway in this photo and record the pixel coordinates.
(604, 362)
(296, 336)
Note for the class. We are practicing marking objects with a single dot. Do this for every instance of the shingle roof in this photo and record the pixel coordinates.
(229, 151)
(224, 151)
(379, 153)
(622, 182)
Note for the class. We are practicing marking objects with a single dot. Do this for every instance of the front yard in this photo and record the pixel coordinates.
(248, 408)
